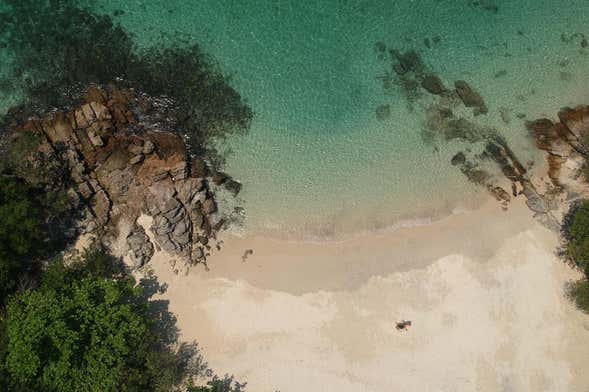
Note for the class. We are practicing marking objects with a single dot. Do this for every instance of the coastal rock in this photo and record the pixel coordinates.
(219, 178)
(576, 121)
(458, 159)
(140, 247)
(433, 85)
(136, 159)
(563, 139)
(209, 206)
(470, 97)
(409, 61)
(233, 186)
(101, 206)
(198, 168)
(383, 112)
(122, 165)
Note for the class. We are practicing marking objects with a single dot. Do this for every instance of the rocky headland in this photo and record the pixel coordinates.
(122, 158)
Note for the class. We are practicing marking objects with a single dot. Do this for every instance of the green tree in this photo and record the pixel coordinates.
(22, 232)
(579, 293)
(90, 327)
(89, 335)
(576, 231)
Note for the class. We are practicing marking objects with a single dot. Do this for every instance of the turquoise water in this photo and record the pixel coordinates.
(317, 161)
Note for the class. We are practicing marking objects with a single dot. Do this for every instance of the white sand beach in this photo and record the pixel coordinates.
(483, 289)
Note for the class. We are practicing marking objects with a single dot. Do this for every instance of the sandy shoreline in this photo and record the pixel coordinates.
(484, 291)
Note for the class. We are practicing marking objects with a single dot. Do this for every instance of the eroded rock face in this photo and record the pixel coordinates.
(140, 247)
(562, 139)
(123, 164)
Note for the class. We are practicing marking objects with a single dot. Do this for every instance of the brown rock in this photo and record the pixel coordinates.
(136, 159)
(233, 186)
(470, 97)
(209, 206)
(121, 171)
(85, 190)
(198, 168)
(433, 85)
(219, 178)
(576, 120)
(101, 207)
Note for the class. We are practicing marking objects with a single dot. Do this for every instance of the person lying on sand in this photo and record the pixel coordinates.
(403, 325)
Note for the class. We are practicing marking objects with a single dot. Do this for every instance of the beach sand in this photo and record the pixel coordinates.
(483, 289)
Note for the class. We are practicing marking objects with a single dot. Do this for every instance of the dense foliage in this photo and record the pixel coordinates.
(90, 327)
(86, 325)
(22, 232)
(86, 335)
(59, 47)
(575, 230)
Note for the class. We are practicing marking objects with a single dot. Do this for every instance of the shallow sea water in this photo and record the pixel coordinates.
(317, 162)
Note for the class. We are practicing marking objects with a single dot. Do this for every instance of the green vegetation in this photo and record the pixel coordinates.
(575, 230)
(22, 233)
(85, 335)
(577, 235)
(89, 327)
(579, 293)
(84, 325)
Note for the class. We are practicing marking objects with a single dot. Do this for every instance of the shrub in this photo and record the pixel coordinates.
(576, 232)
(579, 294)
(22, 232)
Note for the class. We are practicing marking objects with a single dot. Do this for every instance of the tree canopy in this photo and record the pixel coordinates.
(575, 230)
(88, 335)
(22, 232)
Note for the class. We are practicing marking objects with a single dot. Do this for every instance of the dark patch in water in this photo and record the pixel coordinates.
(383, 112)
(61, 46)
(485, 5)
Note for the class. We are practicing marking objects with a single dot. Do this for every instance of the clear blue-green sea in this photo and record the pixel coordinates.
(317, 162)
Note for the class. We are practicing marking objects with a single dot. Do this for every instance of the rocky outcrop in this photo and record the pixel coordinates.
(140, 247)
(124, 162)
(562, 139)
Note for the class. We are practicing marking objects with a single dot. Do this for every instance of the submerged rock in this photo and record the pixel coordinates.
(383, 112)
(470, 97)
(409, 61)
(458, 159)
(433, 85)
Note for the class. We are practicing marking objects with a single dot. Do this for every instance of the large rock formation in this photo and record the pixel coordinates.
(562, 140)
(123, 162)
